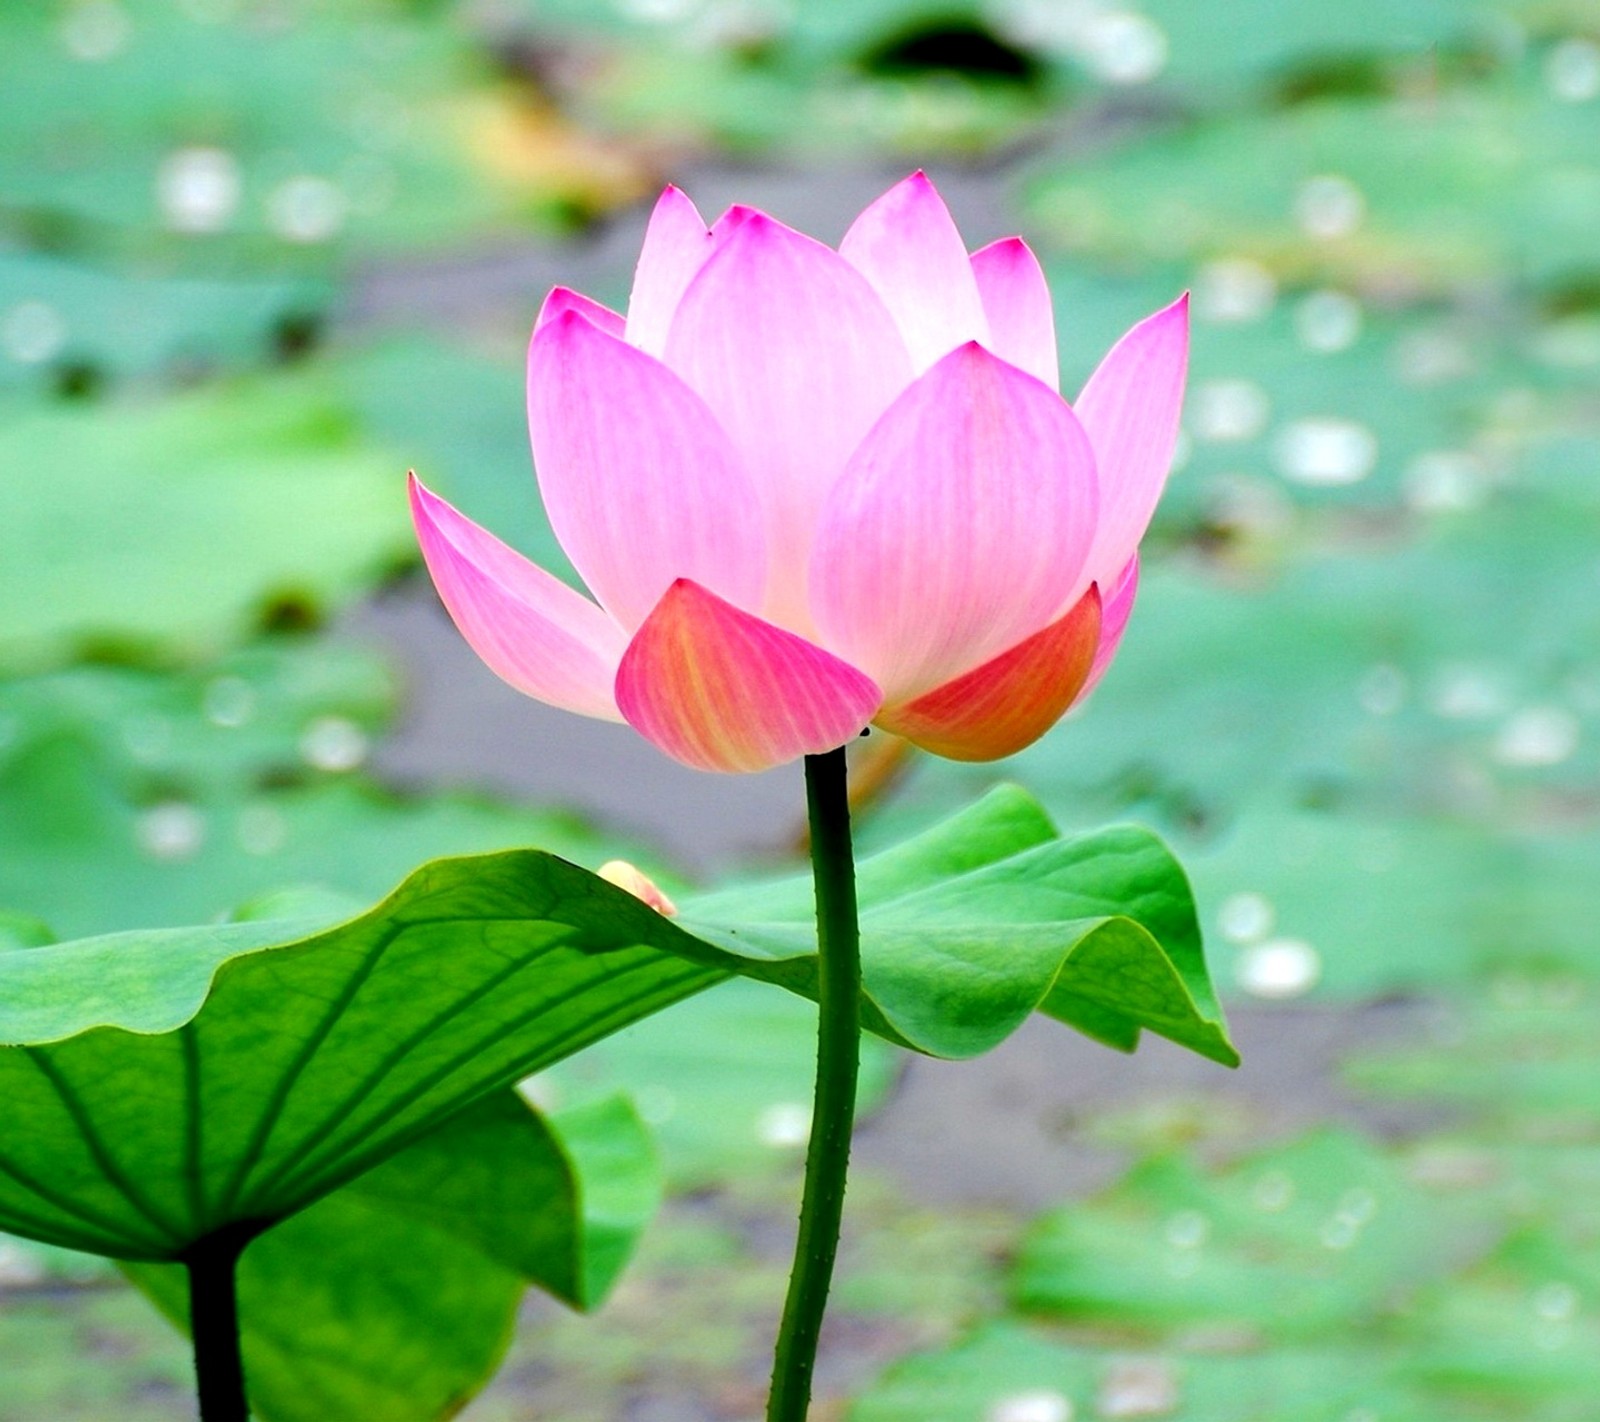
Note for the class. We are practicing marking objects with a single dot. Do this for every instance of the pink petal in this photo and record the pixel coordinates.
(797, 356)
(730, 221)
(1016, 299)
(675, 244)
(907, 246)
(1114, 622)
(959, 527)
(640, 482)
(1130, 408)
(534, 631)
(1010, 701)
(562, 299)
(720, 689)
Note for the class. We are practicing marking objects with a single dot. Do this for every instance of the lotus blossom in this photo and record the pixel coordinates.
(811, 490)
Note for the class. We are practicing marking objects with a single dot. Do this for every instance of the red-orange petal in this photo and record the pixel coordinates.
(721, 689)
(1011, 700)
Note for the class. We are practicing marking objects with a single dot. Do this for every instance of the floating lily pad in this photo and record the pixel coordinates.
(908, 76)
(137, 798)
(724, 1081)
(1519, 1328)
(176, 527)
(1006, 1370)
(461, 417)
(1322, 1234)
(274, 710)
(256, 133)
(1215, 57)
(80, 855)
(63, 321)
(1421, 193)
(1524, 1062)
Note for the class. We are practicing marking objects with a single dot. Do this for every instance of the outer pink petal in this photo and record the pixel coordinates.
(959, 528)
(563, 299)
(907, 246)
(532, 629)
(1130, 408)
(720, 689)
(676, 242)
(1016, 299)
(1114, 622)
(640, 482)
(1011, 700)
(797, 356)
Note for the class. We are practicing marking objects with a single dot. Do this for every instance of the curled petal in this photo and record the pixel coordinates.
(676, 242)
(960, 525)
(1130, 408)
(796, 356)
(1016, 301)
(1114, 622)
(563, 299)
(1010, 701)
(534, 631)
(720, 689)
(907, 246)
(640, 482)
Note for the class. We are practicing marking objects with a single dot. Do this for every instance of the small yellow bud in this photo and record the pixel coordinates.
(626, 876)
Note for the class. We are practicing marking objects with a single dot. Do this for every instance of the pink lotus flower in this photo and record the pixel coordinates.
(811, 490)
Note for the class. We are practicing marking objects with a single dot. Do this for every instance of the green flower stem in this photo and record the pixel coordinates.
(833, 1110)
(214, 1323)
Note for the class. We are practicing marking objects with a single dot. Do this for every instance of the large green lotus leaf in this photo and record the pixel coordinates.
(973, 925)
(1326, 1233)
(395, 1297)
(254, 136)
(1005, 1369)
(69, 320)
(175, 527)
(1472, 183)
(277, 1060)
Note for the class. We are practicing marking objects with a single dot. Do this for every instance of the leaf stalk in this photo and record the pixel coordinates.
(213, 1265)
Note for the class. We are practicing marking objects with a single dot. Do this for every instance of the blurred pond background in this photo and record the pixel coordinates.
(258, 257)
